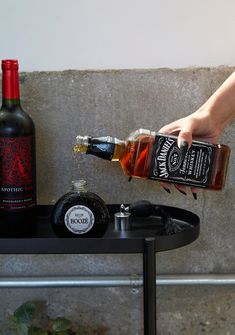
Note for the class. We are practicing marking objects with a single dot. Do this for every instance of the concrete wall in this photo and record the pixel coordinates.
(64, 104)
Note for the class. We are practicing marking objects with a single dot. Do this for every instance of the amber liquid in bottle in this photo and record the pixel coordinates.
(136, 158)
(136, 161)
(220, 166)
(149, 155)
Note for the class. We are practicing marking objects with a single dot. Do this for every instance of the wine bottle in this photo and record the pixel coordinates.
(17, 159)
(80, 213)
(147, 154)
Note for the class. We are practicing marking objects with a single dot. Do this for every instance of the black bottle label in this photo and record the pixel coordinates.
(79, 219)
(102, 147)
(17, 173)
(168, 164)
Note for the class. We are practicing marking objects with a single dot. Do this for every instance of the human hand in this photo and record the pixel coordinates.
(198, 126)
(206, 124)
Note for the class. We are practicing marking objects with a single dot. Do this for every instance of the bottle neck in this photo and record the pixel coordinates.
(79, 185)
(108, 148)
(10, 88)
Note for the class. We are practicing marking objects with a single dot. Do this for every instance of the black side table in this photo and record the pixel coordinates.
(143, 238)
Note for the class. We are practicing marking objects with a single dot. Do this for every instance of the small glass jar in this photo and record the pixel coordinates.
(80, 213)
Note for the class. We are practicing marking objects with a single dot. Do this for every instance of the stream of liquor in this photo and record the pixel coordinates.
(80, 163)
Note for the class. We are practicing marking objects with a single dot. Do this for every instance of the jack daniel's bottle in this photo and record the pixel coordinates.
(80, 213)
(147, 154)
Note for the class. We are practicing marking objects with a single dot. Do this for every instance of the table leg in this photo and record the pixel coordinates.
(149, 286)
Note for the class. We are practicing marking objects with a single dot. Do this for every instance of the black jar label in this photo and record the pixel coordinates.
(168, 164)
(79, 219)
(17, 173)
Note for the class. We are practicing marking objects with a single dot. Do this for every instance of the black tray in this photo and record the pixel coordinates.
(45, 242)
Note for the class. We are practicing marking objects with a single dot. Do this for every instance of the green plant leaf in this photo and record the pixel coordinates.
(38, 332)
(25, 312)
(22, 329)
(12, 322)
(79, 332)
(60, 324)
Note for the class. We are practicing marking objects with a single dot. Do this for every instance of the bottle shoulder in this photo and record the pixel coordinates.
(15, 122)
(73, 198)
(140, 133)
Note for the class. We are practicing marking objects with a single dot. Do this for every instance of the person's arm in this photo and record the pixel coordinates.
(209, 121)
(206, 124)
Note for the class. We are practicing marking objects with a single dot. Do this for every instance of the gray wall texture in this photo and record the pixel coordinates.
(65, 104)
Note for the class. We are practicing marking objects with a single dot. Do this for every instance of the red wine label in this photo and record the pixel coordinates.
(17, 173)
(168, 164)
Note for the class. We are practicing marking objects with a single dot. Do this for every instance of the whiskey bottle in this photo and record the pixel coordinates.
(80, 213)
(17, 157)
(150, 155)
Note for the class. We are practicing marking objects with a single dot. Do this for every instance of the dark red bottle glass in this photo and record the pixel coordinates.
(17, 159)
